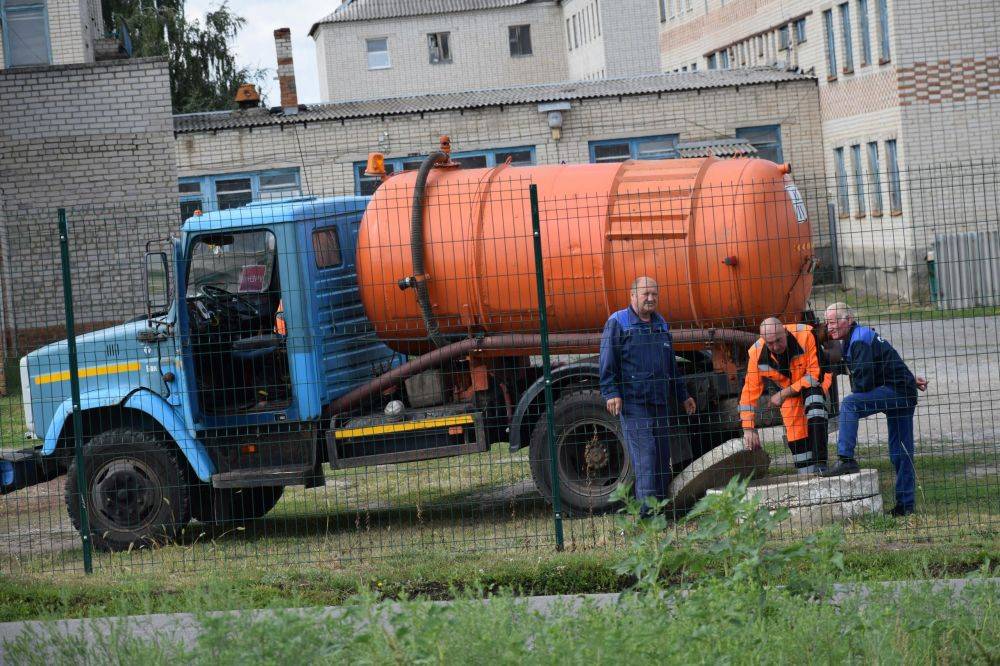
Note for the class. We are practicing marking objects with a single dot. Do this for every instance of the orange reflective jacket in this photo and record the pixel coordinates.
(279, 320)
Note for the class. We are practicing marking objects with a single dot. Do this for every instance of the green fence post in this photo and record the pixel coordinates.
(546, 364)
(74, 383)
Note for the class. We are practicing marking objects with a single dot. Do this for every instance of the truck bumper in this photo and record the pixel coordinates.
(27, 467)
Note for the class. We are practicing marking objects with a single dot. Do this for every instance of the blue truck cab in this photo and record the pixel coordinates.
(218, 398)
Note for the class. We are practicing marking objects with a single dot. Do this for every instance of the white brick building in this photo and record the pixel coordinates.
(370, 49)
(903, 87)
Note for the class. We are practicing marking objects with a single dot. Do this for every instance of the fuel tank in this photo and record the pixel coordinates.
(728, 241)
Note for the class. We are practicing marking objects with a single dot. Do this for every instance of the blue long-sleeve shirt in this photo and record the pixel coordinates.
(638, 363)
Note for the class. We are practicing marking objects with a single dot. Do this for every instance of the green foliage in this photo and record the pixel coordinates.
(203, 71)
(727, 534)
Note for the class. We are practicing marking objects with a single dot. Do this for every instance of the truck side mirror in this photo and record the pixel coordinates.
(157, 283)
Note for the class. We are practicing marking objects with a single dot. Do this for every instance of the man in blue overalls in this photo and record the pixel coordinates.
(880, 382)
(638, 376)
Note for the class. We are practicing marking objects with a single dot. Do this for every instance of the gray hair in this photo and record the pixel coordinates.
(770, 324)
(639, 280)
(841, 311)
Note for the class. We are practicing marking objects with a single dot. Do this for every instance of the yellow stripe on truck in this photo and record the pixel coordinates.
(426, 424)
(93, 371)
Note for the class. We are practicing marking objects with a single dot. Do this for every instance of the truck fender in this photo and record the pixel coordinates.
(148, 403)
(587, 370)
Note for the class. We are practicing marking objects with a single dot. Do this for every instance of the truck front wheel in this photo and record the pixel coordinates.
(135, 491)
(591, 459)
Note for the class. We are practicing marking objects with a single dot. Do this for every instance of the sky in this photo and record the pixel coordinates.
(255, 44)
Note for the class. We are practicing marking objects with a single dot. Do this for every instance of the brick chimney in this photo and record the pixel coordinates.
(286, 70)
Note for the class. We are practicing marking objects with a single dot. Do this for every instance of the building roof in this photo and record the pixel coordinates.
(533, 94)
(716, 148)
(373, 10)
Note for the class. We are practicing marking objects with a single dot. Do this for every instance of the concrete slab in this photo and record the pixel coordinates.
(800, 491)
(715, 469)
(817, 515)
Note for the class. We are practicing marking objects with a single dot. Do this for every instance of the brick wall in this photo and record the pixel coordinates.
(630, 30)
(74, 27)
(95, 139)
(479, 47)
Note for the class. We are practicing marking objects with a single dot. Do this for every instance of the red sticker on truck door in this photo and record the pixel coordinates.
(252, 278)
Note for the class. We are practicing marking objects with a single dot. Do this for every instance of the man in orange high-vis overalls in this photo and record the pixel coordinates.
(788, 356)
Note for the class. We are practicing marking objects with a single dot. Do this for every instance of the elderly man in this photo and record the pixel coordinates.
(789, 357)
(880, 382)
(638, 376)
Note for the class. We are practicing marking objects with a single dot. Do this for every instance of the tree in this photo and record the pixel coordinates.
(203, 71)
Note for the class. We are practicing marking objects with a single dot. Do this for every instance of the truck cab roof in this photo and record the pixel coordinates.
(261, 213)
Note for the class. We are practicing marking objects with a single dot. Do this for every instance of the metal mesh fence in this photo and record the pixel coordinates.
(331, 378)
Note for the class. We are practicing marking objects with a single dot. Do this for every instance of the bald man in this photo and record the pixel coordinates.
(638, 377)
(789, 357)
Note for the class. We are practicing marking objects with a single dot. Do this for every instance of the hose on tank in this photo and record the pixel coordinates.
(419, 279)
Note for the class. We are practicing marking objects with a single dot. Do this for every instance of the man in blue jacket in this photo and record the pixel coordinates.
(880, 382)
(638, 377)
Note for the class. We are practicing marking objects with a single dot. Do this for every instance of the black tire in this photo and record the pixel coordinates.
(136, 492)
(591, 455)
(234, 505)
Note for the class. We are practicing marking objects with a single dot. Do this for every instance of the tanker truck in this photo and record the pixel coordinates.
(286, 337)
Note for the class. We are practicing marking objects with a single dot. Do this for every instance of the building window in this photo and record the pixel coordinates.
(475, 159)
(845, 26)
(859, 182)
(378, 53)
(895, 191)
(520, 40)
(800, 30)
(663, 10)
(569, 35)
(766, 139)
(597, 16)
(831, 46)
(208, 193)
(713, 61)
(843, 197)
(438, 48)
(25, 32)
(866, 38)
(724, 59)
(639, 148)
(876, 178)
(883, 31)
(576, 31)
(784, 39)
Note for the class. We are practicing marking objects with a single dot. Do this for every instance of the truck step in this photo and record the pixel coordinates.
(255, 477)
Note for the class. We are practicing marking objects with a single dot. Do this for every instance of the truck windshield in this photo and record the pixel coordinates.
(237, 262)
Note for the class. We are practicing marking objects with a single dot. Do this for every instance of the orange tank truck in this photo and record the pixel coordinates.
(722, 238)
(446, 273)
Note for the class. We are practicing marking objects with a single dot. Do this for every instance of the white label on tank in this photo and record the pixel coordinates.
(800, 206)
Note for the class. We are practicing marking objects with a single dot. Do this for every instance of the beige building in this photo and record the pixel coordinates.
(369, 49)
(903, 87)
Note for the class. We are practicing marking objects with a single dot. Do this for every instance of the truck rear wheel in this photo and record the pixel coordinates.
(591, 458)
(135, 491)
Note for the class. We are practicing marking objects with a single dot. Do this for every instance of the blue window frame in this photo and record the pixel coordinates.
(473, 159)
(883, 30)
(766, 139)
(25, 25)
(831, 45)
(724, 59)
(231, 190)
(895, 189)
(713, 61)
(800, 30)
(843, 195)
(866, 37)
(661, 147)
(848, 38)
(876, 176)
(859, 181)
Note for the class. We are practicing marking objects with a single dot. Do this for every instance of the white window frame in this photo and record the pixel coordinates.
(369, 53)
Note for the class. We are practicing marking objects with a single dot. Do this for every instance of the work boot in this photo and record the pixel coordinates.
(899, 511)
(843, 466)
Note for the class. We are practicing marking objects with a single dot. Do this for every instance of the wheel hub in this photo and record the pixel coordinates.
(124, 493)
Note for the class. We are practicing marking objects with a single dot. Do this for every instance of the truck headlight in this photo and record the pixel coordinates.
(29, 421)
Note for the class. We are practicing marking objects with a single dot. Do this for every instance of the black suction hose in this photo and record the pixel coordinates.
(419, 280)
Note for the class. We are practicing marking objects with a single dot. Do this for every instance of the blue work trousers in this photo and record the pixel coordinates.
(898, 410)
(645, 429)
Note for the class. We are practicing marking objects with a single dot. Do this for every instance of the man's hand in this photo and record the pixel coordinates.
(690, 406)
(779, 397)
(921, 383)
(751, 440)
(615, 406)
